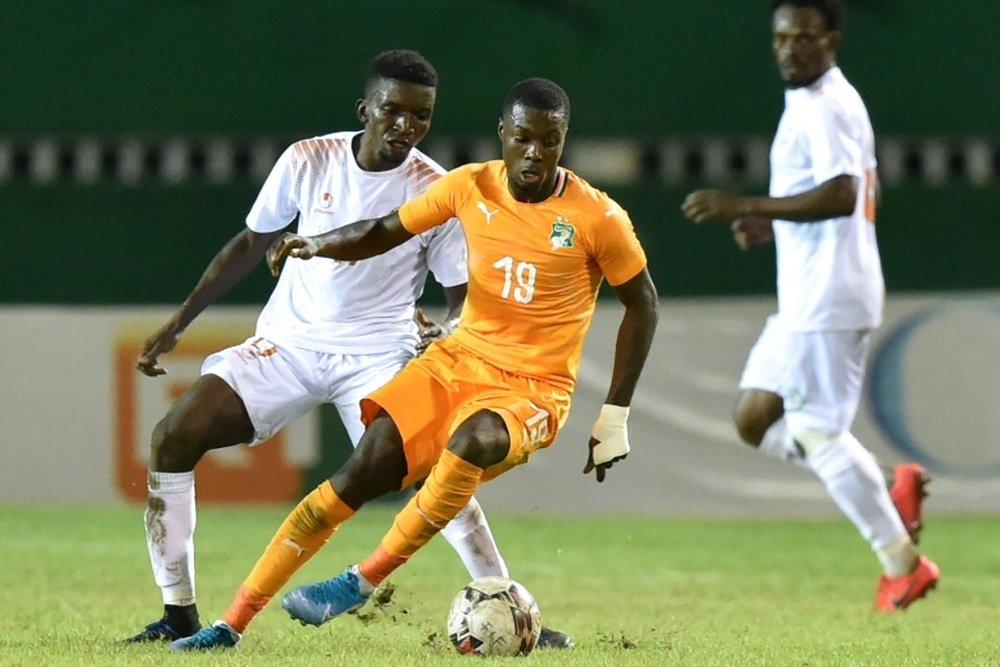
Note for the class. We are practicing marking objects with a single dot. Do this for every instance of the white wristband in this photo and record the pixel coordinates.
(611, 433)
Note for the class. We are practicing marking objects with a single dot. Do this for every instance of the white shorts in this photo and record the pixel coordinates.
(819, 374)
(279, 384)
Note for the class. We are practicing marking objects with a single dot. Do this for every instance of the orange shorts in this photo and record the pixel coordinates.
(436, 392)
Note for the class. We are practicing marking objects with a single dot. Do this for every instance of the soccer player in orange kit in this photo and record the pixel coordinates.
(484, 399)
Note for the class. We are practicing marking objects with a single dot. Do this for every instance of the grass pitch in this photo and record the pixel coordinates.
(632, 591)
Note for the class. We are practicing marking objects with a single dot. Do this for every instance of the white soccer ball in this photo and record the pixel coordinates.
(494, 616)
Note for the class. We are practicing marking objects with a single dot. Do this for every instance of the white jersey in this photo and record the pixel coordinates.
(829, 271)
(361, 307)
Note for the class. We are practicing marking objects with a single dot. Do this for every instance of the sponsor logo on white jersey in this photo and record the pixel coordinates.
(325, 202)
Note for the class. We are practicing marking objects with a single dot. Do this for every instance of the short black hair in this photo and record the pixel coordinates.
(401, 65)
(833, 11)
(537, 94)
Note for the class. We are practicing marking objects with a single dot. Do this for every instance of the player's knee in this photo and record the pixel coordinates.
(182, 437)
(748, 429)
(482, 440)
(751, 425)
(171, 448)
(754, 413)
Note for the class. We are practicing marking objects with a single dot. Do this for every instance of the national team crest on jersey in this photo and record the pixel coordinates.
(562, 234)
(794, 399)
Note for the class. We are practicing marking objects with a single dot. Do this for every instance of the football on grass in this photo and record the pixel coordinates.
(494, 616)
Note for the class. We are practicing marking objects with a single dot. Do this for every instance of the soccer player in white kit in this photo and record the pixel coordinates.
(331, 332)
(802, 382)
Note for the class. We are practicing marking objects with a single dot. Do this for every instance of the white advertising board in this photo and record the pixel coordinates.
(77, 416)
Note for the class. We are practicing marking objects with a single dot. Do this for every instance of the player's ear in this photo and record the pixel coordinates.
(833, 39)
(500, 129)
(361, 109)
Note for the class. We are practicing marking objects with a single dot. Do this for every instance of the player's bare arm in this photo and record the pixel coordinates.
(430, 330)
(229, 266)
(609, 439)
(454, 298)
(360, 240)
(830, 199)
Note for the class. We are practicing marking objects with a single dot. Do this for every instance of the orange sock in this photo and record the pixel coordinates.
(304, 531)
(244, 607)
(447, 490)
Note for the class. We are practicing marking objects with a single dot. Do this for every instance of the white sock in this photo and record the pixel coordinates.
(898, 558)
(855, 482)
(366, 587)
(469, 534)
(779, 443)
(170, 522)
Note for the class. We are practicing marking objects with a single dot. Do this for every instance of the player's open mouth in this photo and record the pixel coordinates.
(530, 177)
(399, 144)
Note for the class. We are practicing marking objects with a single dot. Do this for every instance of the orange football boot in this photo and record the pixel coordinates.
(895, 593)
(908, 495)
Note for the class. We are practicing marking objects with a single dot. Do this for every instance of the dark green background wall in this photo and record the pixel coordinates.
(149, 245)
(644, 69)
(639, 67)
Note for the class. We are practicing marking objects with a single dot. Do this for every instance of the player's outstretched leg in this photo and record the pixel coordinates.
(908, 492)
(217, 635)
(209, 415)
(315, 604)
(896, 593)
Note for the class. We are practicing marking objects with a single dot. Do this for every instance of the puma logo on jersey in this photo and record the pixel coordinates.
(487, 212)
(299, 550)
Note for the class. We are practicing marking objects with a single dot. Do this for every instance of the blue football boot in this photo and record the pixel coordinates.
(218, 635)
(315, 604)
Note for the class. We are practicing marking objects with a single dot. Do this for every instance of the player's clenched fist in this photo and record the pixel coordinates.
(708, 204)
(289, 245)
(752, 231)
(608, 440)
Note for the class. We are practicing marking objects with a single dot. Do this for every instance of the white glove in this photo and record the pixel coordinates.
(609, 439)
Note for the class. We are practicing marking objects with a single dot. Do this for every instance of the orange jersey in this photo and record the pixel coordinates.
(534, 269)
